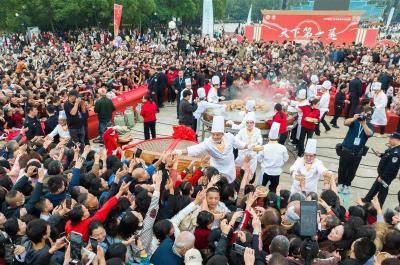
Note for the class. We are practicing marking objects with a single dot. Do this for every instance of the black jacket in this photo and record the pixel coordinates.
(388, 166)
(162, 81)
(355, 88)
(339, 99)
(50, 124)
(179, 84)
(35, 129)
(186, 110)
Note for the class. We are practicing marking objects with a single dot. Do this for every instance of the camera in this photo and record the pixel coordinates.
(362, 117)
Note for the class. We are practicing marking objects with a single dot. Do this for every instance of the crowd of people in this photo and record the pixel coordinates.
(67, 201)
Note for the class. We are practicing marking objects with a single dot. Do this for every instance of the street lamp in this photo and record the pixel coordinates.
(16, 14)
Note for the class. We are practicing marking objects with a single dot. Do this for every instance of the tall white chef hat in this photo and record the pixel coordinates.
(301, 94)
(314, 79)
(188, 82)
(215, 80)
(327, 85)
(311, 147)
(250, 116)
(218, 125)
(250, 105)
(201, 92)
(62, 115)
(376, 86)
(274, 131)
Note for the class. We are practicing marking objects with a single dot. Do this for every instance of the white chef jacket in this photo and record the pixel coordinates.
(212, 96)
(272, 159)
(312, 176)
(311, 92)
(201, 108)
(379, 115)
(223, 161)
(254, 139)
(324, 103)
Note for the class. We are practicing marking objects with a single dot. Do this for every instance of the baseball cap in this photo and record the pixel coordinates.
(193, 257)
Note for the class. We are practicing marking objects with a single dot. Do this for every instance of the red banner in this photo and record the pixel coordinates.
(329, 26)
(117, 18)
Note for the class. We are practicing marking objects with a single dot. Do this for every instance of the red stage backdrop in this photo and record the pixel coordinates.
(329, 26)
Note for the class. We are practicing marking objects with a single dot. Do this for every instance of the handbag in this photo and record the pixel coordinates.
(339, 149)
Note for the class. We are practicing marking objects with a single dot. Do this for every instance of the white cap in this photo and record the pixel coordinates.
(250, 105)
(218, 125)
(201, 92)
(215, 80)
(62, 115)
(327, 85)
(314, 79)
(311, 147)
(301, 94)
(376, 86)
(274, 131)
(250, 116)
(188, 82)
(193, 257)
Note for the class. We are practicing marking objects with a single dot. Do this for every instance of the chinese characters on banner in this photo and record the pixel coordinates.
(328, 28)
(117, 18)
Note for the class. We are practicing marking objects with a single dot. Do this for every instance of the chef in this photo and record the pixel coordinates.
(307, 170)
(220, 147)
(324, 106)
(188, 86)
(252, 137)
(272, 159)
(312, 89)
(301, 101)
(250, 104)
(380, 102)
(213, 93)
(202, 105)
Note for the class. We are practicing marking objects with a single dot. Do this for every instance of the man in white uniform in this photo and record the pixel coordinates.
(324, 106)
(272, 159)
(312, 89)
(307, 170)
(252, 137)
(202, 105)
(213, 93)
(301, 101)
(220, 147)
(188, 86)
(380, 101)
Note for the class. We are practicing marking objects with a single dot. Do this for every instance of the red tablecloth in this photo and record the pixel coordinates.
(393, 119)
(129, 98)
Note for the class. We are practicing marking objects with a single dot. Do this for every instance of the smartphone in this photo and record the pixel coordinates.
(138, 152)
(68, 200)
(76, 245)
(93, 243)
(238, 249)
(308, 218)
(240, 219)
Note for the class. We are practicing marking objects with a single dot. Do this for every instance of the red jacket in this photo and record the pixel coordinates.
(207, 88)
(281, 120)
(311, 113)
(148, 112)
(197, 174)
(201, 236)
(171, 75)
(100, 215)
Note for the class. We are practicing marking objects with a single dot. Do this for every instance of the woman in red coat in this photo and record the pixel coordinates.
(148, 112)
(281, 118)
(309, 121)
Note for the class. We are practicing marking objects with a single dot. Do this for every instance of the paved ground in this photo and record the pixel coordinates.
(326, 152)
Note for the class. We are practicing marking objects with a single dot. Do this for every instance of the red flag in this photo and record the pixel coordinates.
(117, 18)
